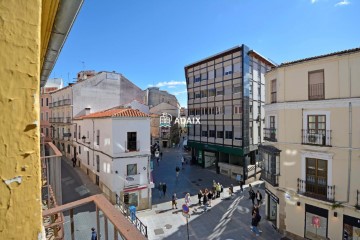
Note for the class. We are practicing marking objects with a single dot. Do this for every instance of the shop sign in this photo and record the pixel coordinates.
(272, 196)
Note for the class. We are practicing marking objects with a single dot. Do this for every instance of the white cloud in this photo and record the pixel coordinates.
(171, 86)
(170, 83)
(178, 93)
(314, 1)
(342, 3)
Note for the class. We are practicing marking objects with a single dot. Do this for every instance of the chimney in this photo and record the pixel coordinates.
(87, 111)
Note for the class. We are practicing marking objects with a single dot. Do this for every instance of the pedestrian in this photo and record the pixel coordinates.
(258, 197)
(160, 188)
(173, 201)
(158, 161)
(164, 188)
(241, 186)
(161, 155)
(93, 234)
(74, 162)
(218, 190)
(231, 190)
(214, 188)
(200, 195)
(254, 223)
(251, 191)
(177, 169)
(205, 199)
(182, 162)
(210, 196)
(253, 195)
(187, 199)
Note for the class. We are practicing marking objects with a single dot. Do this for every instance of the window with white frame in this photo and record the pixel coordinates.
(219, 110)
(237, 109)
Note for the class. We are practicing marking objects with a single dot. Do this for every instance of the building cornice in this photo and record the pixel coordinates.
(329, 103)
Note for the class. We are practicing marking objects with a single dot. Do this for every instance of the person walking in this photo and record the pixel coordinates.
(173, 201)
(214, 188)
(200, 195)
(74, 162)
(258, 197)
(177, 169)
(210, 197)
(254, 223)
(160, 188)
(241, 186)
(218, 190)
(161, 155)
(253, 195)
(182, 162)
(251, 191)
(93, 234)
(205, 199)
(187, 199)
(158, 161)
(231, 190)
(164, 188)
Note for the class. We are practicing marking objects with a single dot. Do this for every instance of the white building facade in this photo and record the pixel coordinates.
(114, 151)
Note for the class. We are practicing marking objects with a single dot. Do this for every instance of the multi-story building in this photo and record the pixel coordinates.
(114, 150)
(226, 91)
(154, 96)
(89, 94)
(312, 152)
(45, 101)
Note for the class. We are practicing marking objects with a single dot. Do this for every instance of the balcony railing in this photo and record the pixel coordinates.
(124, 209)
(270, 134)
(316, 190)
(316, 137)
(106, 215)
(60, 103)
(132, 146)
(271, 178)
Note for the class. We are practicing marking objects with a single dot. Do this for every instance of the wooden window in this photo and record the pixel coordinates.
(316, 176)
(273, 91)
(272, 122)
(316, 85)
(316, 124)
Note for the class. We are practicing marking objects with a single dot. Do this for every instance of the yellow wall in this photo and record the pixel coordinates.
(20, 203)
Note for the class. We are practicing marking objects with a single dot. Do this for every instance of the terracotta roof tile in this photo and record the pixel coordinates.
(115, 112)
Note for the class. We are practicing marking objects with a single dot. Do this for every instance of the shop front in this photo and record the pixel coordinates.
(316, 222)
(351, 228)
(272, 202)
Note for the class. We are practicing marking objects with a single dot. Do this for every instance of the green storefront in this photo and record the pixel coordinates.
(207, 154)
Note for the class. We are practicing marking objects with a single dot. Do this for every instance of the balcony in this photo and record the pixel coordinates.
(132, 146)
(60, 103)
(316, 91)
(316, 190)
(271, 178)
(270, 134)
(106, 215)
(316, 137)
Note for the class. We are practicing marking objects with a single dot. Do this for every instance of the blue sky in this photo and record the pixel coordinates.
(150, 41)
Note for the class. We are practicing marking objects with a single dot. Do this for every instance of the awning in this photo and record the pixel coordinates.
(135, 189)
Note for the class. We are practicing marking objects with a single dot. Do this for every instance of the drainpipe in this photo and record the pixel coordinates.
(93, 142)
(350, 151)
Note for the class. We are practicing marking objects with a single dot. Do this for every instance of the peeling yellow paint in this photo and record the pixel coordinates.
(24, 35)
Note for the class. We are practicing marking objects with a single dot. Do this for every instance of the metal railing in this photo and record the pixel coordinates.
(271, 178)
(124, 209)
(316, 137)
(121, 226)
(60, 103)
(270, 134)
(316, 190)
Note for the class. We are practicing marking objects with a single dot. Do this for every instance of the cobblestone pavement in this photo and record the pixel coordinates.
(228, 218)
